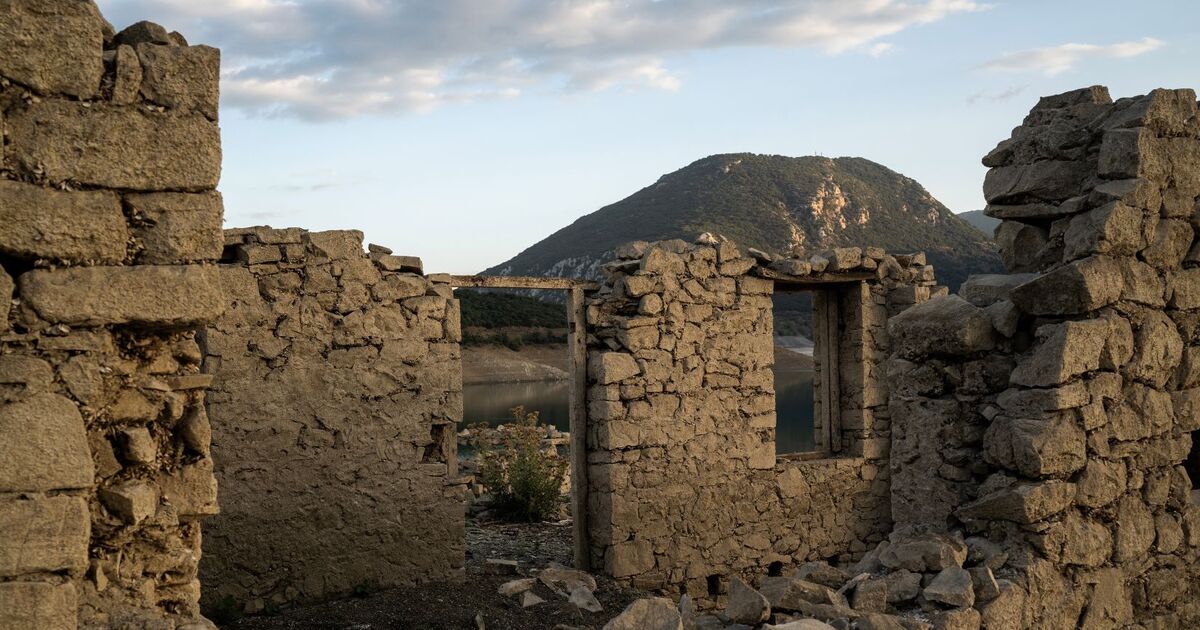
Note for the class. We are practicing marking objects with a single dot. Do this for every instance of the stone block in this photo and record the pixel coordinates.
(1171, 242)
(1063, 351)
(192, 489)
(1049, 180)
(114, 147)
(942, 326)
(1133, 153)
(6, 294)
(1114, 229)
(132, 502)
(45, 534)
(611, 367)
(647, 613)
(1185, 289)
(52, 47)
(629, 558)
(1079, 287)
(951, 586)
(1051, 447)
(181, 77)
(1021, 503)
(986, 289)
(43, 446)
(178, 227)
(336, 244)
(1166, 112)
(149, 295)
(127, 76)
(38, 605)
(78, 227)
(1157, 348)
(1101, 483)
(403, 264)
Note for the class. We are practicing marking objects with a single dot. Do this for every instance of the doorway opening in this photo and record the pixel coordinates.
(524, 389)
(807, 392)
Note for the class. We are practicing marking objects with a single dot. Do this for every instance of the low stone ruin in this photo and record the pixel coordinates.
(1013, 456)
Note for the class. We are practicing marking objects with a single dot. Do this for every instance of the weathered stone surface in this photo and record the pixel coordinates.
(127, 76)
(152, 295)
(1158, 348)
(746, 605)
(943, 326)
(612, 367)
(1078, 540)
(650, 613)
(902, 586)
(786, 593)
(181, 77)
(925, 552)
(52, 47)
(43, 445)
(956, 619)
(1049, 447)
(1006, 611)
(582, 598)
(336, 244)
(629, 558)
(132, 502)
(1114, 229)
(192, 490)
(38, 605)
(143, 32)
(1021, 246)
(1171, 242)
(1185, 289)
(1109, 605)
(115, 147)
(951, 586)
(1101, 483)
(6, 292)
(1132, 153)
(46, 534)
(1079, 287)
(1045, 181)
(1063, 352)
(1021, 503)
(870, 596)
(986, 289)
(79, 227)
(1135, 529)
(178, 227)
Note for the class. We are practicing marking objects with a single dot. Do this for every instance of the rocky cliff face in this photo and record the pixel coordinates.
(779, 204)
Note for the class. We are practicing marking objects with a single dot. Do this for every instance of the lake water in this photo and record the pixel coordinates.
(490, 402)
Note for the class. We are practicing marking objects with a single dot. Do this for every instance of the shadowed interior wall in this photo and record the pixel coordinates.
(338, 386)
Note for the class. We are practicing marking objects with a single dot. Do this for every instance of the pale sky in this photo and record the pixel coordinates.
(463, 131)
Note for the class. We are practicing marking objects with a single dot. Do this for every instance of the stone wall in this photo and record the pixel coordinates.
(1047, 413)
(338, 386)
(685, 488)
(107, 220)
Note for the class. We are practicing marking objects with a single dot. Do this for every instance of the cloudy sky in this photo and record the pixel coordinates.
(463, 131)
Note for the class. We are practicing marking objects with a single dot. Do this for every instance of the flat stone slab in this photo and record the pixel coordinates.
(150, 295)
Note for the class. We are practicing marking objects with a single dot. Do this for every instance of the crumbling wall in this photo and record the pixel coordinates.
(1048, 412)
(685, 489)
(338, 386)
(107, 218)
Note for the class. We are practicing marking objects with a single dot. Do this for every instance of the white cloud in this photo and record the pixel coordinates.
(1058, 59)
(321, 59)
(880, 49)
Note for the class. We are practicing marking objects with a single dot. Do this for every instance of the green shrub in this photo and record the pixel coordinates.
(525, 482)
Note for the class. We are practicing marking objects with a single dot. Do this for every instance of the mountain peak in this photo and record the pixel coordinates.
(774, 203)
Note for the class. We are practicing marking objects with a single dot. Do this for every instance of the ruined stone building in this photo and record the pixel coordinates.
(1038, 423)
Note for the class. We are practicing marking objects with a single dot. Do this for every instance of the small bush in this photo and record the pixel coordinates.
(525, 482)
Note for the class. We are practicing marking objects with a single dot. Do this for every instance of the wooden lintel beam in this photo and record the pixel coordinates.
(522, 282)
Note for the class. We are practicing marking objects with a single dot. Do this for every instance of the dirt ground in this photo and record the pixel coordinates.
(455, 605)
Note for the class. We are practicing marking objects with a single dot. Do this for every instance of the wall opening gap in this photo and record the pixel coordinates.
(1192, 466)
(795, 372)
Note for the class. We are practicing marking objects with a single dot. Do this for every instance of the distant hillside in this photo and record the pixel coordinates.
(774, 203)
(983, 222)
